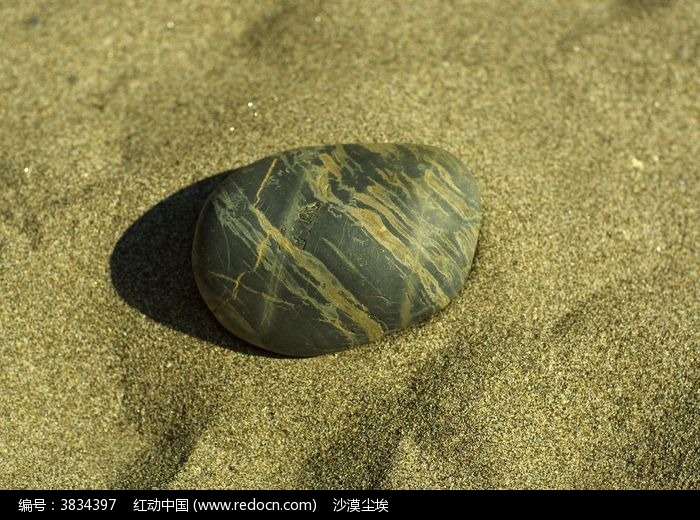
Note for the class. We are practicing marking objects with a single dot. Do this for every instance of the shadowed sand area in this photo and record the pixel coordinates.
(571, 357)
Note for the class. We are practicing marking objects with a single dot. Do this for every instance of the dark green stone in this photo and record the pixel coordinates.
(318, 249)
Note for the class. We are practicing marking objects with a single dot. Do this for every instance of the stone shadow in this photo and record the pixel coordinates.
(151, 267)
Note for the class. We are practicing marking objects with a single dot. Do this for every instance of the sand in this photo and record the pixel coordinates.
(570, 359)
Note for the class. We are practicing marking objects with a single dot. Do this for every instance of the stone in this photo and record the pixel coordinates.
(319, 249)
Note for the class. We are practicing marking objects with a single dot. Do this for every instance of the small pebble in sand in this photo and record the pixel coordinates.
(319, 249)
